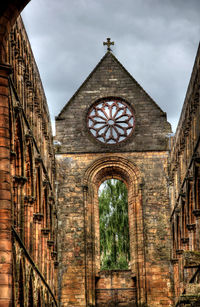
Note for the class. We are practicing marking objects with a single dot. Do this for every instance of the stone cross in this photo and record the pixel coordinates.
(108, 43)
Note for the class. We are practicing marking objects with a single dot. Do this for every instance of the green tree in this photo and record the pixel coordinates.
(114, 226)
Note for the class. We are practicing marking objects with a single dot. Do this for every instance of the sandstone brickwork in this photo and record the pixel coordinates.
(184, 196)
(110, 79)
(28, 251)
(116, 287)
(84, 163)
(163, 188)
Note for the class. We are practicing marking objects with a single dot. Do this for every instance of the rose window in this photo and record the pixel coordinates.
(111, 121)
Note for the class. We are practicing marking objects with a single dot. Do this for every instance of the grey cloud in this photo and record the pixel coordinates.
(155, 40)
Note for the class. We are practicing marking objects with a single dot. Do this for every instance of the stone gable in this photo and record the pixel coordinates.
(110, 79)
(83, 163)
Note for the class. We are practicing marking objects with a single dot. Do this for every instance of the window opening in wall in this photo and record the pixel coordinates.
(30, 293)
(114, 225)
(21, 287)
(38, 190)
(111, 121)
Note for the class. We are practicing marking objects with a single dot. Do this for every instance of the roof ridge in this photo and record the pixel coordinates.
(108, 53)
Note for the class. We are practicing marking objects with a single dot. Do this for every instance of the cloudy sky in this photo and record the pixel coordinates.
(156, 41)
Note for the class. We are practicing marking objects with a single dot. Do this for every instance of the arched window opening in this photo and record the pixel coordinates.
(18, 171)
(178, 233)
(39, 299)
(51, 218)
(38, 191)
(197, 187)
(114, 225)
(190, 205)
(30, 293)
(18, 149)
(173, 241)
(47, 299)
(29, 172)
(21, 287)
(28, 194)
(45, 208)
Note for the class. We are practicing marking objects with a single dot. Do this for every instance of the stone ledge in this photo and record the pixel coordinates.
(188, 299)
(50, 243)
(191, 259)
(191, 227)
(53, 254)
(20, 179)
(179, 251)
(45, 231)
(29, 198)
(174, 260)
(38, 216)
(196, 212)
(185, 240)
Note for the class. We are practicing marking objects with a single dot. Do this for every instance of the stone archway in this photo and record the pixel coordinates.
(99, 171)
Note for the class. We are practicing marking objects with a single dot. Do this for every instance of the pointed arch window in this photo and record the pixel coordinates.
(28, 199)
(114, 225)
(30, 292)
(45, 208)
(38, 191)
(18, 172)
(21, 287)
(29, 172)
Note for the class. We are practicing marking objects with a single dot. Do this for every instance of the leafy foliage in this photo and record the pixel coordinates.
(114, 226)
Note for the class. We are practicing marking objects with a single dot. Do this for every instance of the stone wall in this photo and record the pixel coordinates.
(79, 236)
(84, 163)
(184, 194)
(110, 79)
(116, 288)
(28, 208)
(28, 211)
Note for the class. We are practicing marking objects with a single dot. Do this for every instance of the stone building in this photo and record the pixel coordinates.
(28, 248)
(184, 189)
(110, 128)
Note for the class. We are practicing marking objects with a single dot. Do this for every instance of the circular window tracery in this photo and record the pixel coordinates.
(111, 121)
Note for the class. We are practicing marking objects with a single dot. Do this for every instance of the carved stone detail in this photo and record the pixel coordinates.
(191, 227)
(45, 231)
(38, 216)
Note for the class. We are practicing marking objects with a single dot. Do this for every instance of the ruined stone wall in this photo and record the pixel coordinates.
(76, 246)
(26, 149)
(184, 194)
(31, 219)
(116, 287)
(140, 161)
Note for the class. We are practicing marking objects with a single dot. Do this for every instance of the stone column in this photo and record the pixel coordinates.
(5, 192)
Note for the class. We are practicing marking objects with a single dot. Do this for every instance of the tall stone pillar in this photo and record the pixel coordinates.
(5, 191)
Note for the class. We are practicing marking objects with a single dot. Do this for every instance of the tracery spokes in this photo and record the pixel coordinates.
(111, 121)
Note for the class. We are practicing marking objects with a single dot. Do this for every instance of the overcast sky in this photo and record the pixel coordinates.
(156, 41)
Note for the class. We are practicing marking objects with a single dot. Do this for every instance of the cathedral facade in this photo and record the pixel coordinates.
(111, 128)
(49, 211)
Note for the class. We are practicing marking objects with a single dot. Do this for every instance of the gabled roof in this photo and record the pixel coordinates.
(108, 53)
